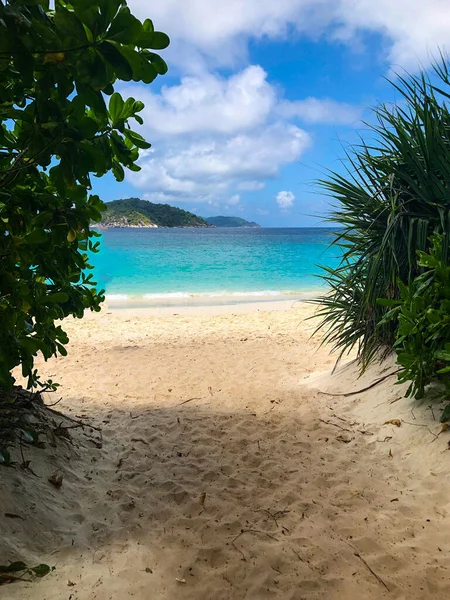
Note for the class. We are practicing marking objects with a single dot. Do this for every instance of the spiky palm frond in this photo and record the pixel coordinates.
(395, 194)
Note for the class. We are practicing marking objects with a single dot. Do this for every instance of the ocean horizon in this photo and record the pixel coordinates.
(168, 265)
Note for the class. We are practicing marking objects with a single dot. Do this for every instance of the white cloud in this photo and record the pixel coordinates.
(251, 186)
(207, 169)
(235, 199)
(285, 199)
(219, 31)
(314, 110)
(209, 103)
(413, 29)
(214, 136)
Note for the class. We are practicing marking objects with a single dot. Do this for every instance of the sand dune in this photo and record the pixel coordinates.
(224, 472)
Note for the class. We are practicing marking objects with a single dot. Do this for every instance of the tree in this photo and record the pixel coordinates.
(61, 123)
(389, 206)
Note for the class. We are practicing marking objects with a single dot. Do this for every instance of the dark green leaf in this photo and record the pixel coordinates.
(57, 298)
(117, 60)
(5, 459)
(143, 70)
(68, 22)
(41, 570)
(38, 236)
(108, 9)
(445, 416)
(159, 64)
(125, 28)
(137, 139)
(147, 25)
(386, 302)
(156, 40)
(116, 104)
(14, 567)
(118, 171)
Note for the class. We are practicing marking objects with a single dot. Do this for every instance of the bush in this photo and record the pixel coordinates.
(394, 197)
(423, 317)
(61, 123)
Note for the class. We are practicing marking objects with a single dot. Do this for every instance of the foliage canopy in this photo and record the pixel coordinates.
(61, 123)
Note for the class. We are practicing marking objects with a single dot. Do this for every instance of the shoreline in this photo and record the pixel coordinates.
(205, 310)
(207, 302)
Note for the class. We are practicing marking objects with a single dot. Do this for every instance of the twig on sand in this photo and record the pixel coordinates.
(298, 555)
(140, 440)
(249, 531)
(377, 577)
(335, 425)
(189, 400)
(275, 515)
(358, 555)
(62, 427)
(422, 425)
(54, 403)
(253, 531)
(340, 418)
(395, 400)
(13, 516)
(303, 560)
(372, 385)
(79, 423)
(239, 550)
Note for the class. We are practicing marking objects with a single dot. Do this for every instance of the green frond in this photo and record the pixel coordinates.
(394, 195)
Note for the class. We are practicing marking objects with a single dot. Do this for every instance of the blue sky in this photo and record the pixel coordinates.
(262, 97)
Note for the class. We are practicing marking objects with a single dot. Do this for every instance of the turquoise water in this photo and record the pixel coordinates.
(178, 263)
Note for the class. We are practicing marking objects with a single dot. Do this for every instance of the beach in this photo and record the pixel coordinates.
(227, 467)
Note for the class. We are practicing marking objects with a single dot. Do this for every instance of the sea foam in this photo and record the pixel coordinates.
(217, 294)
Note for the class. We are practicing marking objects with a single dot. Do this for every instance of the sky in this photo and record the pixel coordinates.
(263, 97)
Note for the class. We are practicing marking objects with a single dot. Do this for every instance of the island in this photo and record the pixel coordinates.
(231, 222)
(133, 212)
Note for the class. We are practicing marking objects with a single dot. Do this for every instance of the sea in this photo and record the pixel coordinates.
(166, 267)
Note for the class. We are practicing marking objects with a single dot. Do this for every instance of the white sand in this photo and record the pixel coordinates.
(307, 495)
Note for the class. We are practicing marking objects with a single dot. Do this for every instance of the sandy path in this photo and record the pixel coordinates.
(295, 508)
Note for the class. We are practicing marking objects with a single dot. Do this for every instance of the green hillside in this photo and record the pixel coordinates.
(230, 222)
(133, 212)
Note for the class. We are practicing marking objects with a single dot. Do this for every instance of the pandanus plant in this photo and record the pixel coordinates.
(393, 197)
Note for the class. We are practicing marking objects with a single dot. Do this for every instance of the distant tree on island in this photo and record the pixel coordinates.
(231, 222)
(133, 212)
(61, 123)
